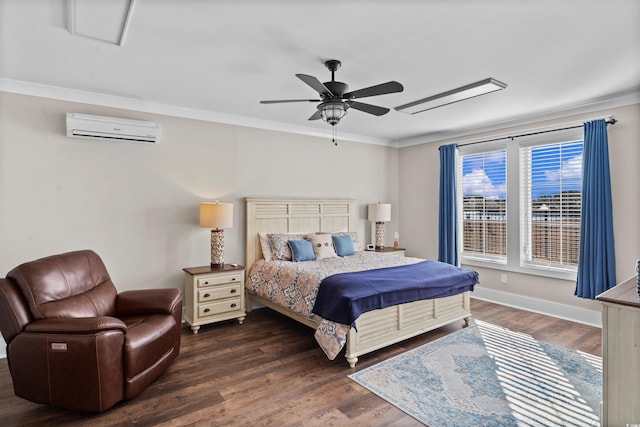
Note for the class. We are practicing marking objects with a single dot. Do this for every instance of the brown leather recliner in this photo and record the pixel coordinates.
(73, 342)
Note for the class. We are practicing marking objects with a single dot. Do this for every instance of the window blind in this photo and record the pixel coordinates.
(484, 207)
(550, 194)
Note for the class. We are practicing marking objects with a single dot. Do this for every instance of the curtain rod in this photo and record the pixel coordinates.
(610, 121)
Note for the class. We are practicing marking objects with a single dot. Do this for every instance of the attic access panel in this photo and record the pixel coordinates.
(100, 20)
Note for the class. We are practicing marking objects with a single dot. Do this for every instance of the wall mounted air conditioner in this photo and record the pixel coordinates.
(112, 129)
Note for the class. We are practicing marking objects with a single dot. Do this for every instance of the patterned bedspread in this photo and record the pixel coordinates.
(294, 285)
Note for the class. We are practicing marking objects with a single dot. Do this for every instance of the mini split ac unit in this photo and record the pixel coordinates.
(112, 129)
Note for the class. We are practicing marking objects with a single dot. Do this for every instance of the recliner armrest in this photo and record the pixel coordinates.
(78, 325)
(148, 301)
(14, 311)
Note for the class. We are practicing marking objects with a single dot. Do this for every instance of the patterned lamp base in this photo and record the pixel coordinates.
(217, 248)
(379, 235)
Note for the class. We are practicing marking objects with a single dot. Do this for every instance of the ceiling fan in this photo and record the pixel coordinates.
(335, 99)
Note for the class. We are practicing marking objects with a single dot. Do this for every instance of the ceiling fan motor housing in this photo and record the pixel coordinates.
(336, 88)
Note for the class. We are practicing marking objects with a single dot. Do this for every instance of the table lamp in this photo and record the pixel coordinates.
(379, 212)
(216, 216)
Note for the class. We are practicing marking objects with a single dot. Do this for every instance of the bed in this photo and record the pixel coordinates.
(373, 329)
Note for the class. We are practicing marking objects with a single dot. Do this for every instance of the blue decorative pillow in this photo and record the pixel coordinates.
(301, 250)
(354, 238)
(343, 245)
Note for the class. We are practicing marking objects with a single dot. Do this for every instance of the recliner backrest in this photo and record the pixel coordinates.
(73, 284)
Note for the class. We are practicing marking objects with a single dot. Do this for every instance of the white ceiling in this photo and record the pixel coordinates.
(217, 59)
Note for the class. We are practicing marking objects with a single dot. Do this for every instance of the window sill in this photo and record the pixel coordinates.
(532, 271)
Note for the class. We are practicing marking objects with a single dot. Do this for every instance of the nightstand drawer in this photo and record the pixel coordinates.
(219, 279)
(218, 307)
(219, 292)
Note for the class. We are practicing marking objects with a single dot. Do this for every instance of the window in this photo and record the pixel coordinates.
(519, 203)
(551, 200)
(484, 207)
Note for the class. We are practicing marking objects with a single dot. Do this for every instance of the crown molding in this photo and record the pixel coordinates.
(598, 105)
(133, 104)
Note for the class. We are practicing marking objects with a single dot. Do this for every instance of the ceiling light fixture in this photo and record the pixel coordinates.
(332, 111)
(455, 95)
(335, 98)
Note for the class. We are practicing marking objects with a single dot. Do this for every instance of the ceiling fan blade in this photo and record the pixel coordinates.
(314, 83)
(316, 116)
(290, 100)
(368, 108)
(381, 89)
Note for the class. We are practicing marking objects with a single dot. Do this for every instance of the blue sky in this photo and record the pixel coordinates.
(553, 169)
(485, 175)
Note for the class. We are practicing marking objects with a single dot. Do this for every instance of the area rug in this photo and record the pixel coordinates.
(486, 375)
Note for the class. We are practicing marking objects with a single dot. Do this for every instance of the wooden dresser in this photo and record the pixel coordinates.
(621, 355)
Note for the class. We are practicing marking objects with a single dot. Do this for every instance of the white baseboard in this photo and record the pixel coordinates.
(549, 308)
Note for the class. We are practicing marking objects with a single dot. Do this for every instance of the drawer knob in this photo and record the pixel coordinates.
(206, 310)
(206, 283)
(233, 305)
(233, 279)
(207, 295)
(233, 291)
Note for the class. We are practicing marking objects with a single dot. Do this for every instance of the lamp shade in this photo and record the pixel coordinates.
(216, 215)
(379, 212)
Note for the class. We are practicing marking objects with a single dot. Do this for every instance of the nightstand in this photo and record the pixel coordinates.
(391, 251)
(213, 294)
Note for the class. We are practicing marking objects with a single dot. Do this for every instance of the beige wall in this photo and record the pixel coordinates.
(137, 204)
(419, 178)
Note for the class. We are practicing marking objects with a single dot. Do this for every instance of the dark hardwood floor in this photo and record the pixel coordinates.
(269, 371)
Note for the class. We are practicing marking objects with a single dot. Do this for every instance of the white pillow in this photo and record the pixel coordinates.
(266, 247)
(323, 246)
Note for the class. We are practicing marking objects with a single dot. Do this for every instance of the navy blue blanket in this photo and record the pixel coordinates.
(343, 297)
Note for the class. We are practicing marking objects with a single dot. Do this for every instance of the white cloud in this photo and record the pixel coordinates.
(569, 170)
(478, 183)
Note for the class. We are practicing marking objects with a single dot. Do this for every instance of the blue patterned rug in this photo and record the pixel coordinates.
(486, 375)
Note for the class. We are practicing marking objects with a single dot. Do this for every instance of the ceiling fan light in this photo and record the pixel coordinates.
(332, 112)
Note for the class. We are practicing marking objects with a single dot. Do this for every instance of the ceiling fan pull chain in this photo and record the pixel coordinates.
(335, 136)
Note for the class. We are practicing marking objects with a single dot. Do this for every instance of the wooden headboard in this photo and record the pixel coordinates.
(270, 215)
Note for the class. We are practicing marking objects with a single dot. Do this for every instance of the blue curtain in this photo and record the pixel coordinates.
(448, 214)
(597, 261)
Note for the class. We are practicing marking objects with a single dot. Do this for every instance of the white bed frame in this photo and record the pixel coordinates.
(375, 329)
